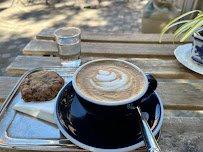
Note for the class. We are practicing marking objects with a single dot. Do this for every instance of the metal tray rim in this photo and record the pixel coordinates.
(9, 98)
(53, 147)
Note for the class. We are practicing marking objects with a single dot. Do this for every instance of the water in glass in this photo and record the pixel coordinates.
(69, 51)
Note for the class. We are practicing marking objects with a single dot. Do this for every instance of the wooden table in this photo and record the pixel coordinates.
(178, 87)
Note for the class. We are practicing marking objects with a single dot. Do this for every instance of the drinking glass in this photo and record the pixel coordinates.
(69, 48)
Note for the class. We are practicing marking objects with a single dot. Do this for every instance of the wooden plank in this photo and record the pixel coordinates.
(45, 47)
(26, 63)
(181, 96)
(181, 134)
(7, 84)
(177, 134)
(175, 95)
(48, 34)
(41, 47)
(160, 68)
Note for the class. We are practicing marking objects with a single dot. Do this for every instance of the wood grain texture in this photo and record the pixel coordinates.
(182, 134)
(41, 47)
(45, 47)
(7, 84)
(177, 135)
(160, 68)
(21, 64)
(48, 34)
(175, 95)
(181, 96)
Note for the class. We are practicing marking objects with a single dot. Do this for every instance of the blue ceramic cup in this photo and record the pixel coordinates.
(116, 110)
(197, 48)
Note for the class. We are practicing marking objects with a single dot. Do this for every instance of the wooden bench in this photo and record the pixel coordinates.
(48, 34)
(171, 92)
(5, 87)
(178, 87)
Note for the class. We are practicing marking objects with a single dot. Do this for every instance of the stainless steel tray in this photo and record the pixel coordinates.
(23, 132)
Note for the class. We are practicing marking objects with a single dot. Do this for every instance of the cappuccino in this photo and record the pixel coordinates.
(110, 81)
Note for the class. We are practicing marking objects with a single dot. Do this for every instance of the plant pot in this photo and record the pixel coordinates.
(197, 47)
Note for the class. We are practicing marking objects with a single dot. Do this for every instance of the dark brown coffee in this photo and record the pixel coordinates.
(110, 81)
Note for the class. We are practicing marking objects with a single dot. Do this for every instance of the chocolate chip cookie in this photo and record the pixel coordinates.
(41, 86)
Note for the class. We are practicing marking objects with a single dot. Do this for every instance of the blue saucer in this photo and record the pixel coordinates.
(93, 134)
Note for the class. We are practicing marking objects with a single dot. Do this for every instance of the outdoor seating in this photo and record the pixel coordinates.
(178, 87)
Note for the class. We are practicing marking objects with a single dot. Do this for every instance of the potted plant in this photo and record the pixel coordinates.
(190, 27)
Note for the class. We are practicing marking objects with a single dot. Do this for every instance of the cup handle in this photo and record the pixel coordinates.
(152, 85)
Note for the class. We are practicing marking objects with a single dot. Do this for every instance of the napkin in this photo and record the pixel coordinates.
(41, 109)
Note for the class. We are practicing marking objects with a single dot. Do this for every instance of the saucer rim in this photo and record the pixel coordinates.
(184, 49)
(123, 149)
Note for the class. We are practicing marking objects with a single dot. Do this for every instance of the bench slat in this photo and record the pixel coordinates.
(180, 134)
(160, 68)
(41, 47)
(7, 84)
(181, 96)
(48, 34)
(44, 47)
(184, 96)
(177, 95)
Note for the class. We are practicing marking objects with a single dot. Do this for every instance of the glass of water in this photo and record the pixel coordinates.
(69, 49)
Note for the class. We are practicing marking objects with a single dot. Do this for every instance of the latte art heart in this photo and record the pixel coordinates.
(110, 81)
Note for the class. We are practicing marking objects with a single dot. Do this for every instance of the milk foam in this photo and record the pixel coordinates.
(111, 81)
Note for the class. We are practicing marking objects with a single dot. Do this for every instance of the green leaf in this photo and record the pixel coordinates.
(185, 27)
(164, 30)
(170, 24)
(192, 30)
(199, 15)
(181, 16)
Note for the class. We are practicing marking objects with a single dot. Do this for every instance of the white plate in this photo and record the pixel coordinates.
(183, 55)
